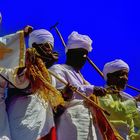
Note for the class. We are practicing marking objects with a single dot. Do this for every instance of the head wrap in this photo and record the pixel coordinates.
(40, 36)
(114, 66)
(76, 40)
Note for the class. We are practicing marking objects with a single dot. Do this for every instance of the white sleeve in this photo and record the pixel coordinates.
(59, 73)
(88, 89)
(68, 78)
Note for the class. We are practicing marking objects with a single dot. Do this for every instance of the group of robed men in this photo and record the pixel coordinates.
(39, 106)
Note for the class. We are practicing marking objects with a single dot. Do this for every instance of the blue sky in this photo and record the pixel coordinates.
(113, 25)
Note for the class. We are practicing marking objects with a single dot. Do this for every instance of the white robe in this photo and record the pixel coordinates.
(76, 122)
(28, 118)
(4, 125)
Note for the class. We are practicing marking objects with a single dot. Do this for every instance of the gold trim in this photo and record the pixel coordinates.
(22, 49)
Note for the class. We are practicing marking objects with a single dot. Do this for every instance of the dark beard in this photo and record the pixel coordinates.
(121, 84)
(50, 60)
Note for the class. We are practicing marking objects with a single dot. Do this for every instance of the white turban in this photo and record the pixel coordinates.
(40, 36)
(76, 40)
(114, 66)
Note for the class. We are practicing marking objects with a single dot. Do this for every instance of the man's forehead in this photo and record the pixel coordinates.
(123, 71)
(79, 50)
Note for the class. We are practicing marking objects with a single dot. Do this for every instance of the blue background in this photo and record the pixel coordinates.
(113, 25)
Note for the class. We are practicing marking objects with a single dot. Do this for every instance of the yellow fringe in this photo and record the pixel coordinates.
(41, 80)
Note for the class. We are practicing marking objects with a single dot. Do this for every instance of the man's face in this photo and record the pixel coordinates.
(43, 49)
(77, 57)
(118, 79)
(46, 53)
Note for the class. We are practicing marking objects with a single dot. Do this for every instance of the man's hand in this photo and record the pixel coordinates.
(27, 30)
(99, 91)
(67, 92)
